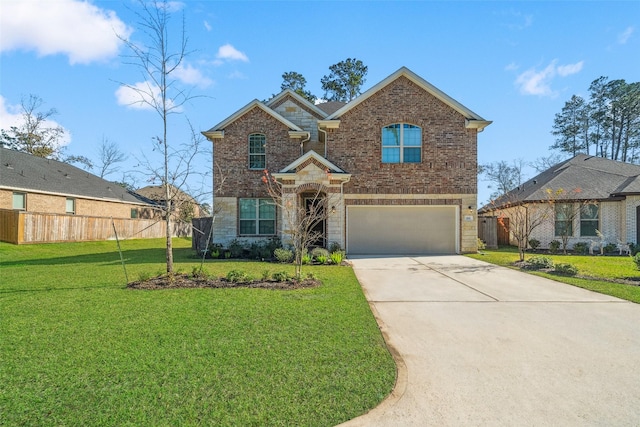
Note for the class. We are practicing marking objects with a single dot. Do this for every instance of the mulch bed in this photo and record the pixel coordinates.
(178, 281)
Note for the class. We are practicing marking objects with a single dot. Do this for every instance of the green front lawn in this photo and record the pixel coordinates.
(78, 348)
(595, 272)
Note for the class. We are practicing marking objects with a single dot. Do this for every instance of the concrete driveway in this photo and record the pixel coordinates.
(479, 344)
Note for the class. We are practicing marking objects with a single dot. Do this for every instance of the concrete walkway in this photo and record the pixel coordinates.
(479, 344)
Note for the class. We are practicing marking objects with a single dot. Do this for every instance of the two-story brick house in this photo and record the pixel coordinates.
(401, 161)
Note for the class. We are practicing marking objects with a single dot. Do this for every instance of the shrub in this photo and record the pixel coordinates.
(237, 276)
(634, 249)
(260, 250)
(311, 276)
(554, 246)
(316, 252)
(337, 257)
(236, 248)
(534, 243)
(198, 273)
(214, 250)
(283, 255)
(280, 276)
(636, 260)
(322, 259)
(609, 248)
(334, 247)
(266, 274)
(306, 259)
(565, 269)
(481, 245)
(538, 263)
(581, 248)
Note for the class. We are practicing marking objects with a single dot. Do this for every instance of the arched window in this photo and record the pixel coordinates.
(257, 153)
(401, 143)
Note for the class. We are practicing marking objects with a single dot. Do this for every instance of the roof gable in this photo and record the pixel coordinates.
(311, 157)
(276, 100)
(250, 106)
(474, 120)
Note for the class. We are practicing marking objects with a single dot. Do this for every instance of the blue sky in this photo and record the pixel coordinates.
(515, 63)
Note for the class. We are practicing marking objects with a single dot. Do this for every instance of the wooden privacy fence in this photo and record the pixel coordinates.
(492, 232)
(32, 227)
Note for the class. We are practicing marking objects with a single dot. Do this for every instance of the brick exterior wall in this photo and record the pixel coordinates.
(48, 203)
(449, 151)
(231, 153)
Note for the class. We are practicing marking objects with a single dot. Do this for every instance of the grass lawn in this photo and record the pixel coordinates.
(595, 270)
(78, 348)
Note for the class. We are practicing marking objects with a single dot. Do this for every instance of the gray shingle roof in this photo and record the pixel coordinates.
(594, 178)
(22, 171)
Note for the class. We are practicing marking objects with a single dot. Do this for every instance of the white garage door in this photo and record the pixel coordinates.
(402, 230)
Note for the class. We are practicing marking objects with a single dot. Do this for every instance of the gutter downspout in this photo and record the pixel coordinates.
(325, 141)
(303, 141)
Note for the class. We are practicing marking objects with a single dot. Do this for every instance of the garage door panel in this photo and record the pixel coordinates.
(379, 230)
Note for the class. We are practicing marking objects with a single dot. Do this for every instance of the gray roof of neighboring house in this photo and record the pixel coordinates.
(24, 172)
(331, 107)
(589, 177)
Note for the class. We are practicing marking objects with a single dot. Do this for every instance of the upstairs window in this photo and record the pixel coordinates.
(401, 143)
(589, 219)
(257, 153)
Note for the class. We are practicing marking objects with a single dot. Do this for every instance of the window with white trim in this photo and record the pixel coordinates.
(257, 152)
(589, 220)
(20, 201)
(564, 215)
(401, 143)
(257, 217)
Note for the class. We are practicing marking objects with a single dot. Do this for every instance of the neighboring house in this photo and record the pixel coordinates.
(606, 192)
(49, 193)
(397, 165)
(184, 206)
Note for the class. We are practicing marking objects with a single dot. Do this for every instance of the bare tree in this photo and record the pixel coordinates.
(36, 134)
(523, 218)
(300, 217)
(543, 163)
(110, 156)
(503, 176)
(158, 60)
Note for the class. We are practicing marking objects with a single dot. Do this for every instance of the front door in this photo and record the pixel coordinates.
(316, 211)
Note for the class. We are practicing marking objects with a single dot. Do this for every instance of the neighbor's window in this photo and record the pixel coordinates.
(564, 215)
(134, 213)
(20, 201)
(257, 153)
(589, 219)
(257, 217)
(71, 206)
(401, 143)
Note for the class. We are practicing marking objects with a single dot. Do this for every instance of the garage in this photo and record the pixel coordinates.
(402, 230)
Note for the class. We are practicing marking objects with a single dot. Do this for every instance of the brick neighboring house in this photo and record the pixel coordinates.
(43, 200)
(184, 206)
(402, 159)
(607, 191)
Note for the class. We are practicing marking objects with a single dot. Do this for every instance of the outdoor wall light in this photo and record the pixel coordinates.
(333, 209)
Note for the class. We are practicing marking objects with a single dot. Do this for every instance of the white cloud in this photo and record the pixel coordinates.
(534, 82)
(567, 70)
(190, 75)
(624, 36)
(229, 53)
(512, 67)
(11, 115)
(140, 96)
(78, 29)
(207, 26)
